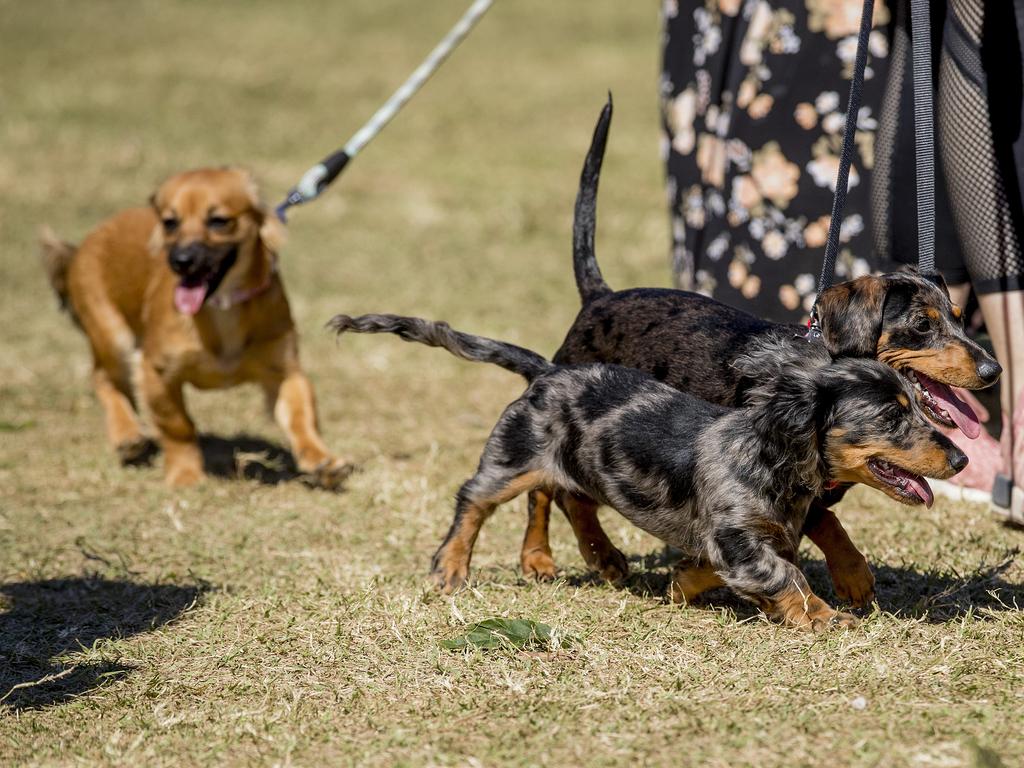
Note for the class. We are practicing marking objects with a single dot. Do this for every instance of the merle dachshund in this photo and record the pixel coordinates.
(729, 487)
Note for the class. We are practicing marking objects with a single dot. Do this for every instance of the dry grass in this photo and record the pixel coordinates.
(251, 622)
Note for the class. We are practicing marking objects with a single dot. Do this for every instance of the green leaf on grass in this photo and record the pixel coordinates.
(16, 426)
(508, 633)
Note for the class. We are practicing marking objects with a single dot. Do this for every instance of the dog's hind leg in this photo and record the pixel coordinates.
(690, 580)
(476, 500)
(596, 548)
(535, 557)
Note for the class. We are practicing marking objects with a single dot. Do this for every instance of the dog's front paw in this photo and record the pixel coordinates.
(854, 582)
(449, 568)
(330, 474)
(837, 619)
(539, 564)
(612, 565)
(450, 578)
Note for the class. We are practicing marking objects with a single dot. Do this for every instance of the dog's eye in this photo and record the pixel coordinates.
(923, 325)
(170, 225)
(218, 222)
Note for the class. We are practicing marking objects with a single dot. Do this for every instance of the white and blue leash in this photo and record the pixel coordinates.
(317, 178)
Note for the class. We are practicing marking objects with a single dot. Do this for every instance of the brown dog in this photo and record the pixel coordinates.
(187, 292)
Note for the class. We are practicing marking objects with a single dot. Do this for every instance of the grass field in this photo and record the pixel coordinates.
(247, 622)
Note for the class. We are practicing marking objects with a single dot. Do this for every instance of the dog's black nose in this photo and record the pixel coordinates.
(989, 370)
(957, 459)
(181, 260)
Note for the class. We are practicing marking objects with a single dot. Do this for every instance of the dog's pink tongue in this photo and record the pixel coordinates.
(920, 486)
(188, 299)
(960, 412)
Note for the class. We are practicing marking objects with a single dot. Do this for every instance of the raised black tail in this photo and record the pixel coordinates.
(479, 349)
(584, 261)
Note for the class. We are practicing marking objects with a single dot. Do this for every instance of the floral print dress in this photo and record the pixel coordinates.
(753, 96)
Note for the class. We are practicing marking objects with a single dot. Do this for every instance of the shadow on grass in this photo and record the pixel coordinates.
(248, 457)
(233, 458)
(43, 620)
(909, 591)
(935, 595)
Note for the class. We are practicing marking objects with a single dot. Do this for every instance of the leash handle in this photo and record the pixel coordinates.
(828, 268)
(924, 133)
(317, 178)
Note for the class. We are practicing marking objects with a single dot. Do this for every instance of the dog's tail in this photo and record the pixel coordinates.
(584, 262)
(479, 349)
(56, 256)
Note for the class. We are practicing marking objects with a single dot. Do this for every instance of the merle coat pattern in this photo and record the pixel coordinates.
(729, 487)
(691, 342)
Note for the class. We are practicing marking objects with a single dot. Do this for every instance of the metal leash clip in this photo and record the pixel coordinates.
(813, 326)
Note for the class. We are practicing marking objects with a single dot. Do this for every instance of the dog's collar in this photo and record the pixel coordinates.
(813, 326)
(242, 295)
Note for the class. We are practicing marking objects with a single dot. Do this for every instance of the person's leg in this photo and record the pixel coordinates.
(1004, 317)
(979, 120)
(960, 293)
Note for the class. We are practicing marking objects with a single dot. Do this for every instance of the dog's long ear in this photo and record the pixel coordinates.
(939, 280)
(156, 237)
(850, 314)
(787, 414)
(272, 230)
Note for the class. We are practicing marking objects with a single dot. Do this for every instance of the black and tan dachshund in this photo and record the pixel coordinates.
(691, 342)
(729, 487)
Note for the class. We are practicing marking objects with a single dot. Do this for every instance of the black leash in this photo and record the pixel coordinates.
(924, 147)
(924, 133)
(828, 268)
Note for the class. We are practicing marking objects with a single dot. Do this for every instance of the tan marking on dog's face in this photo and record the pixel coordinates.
(849, 463)
(957, 312)
(903, 400)
(214, 206)
(952, 364)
